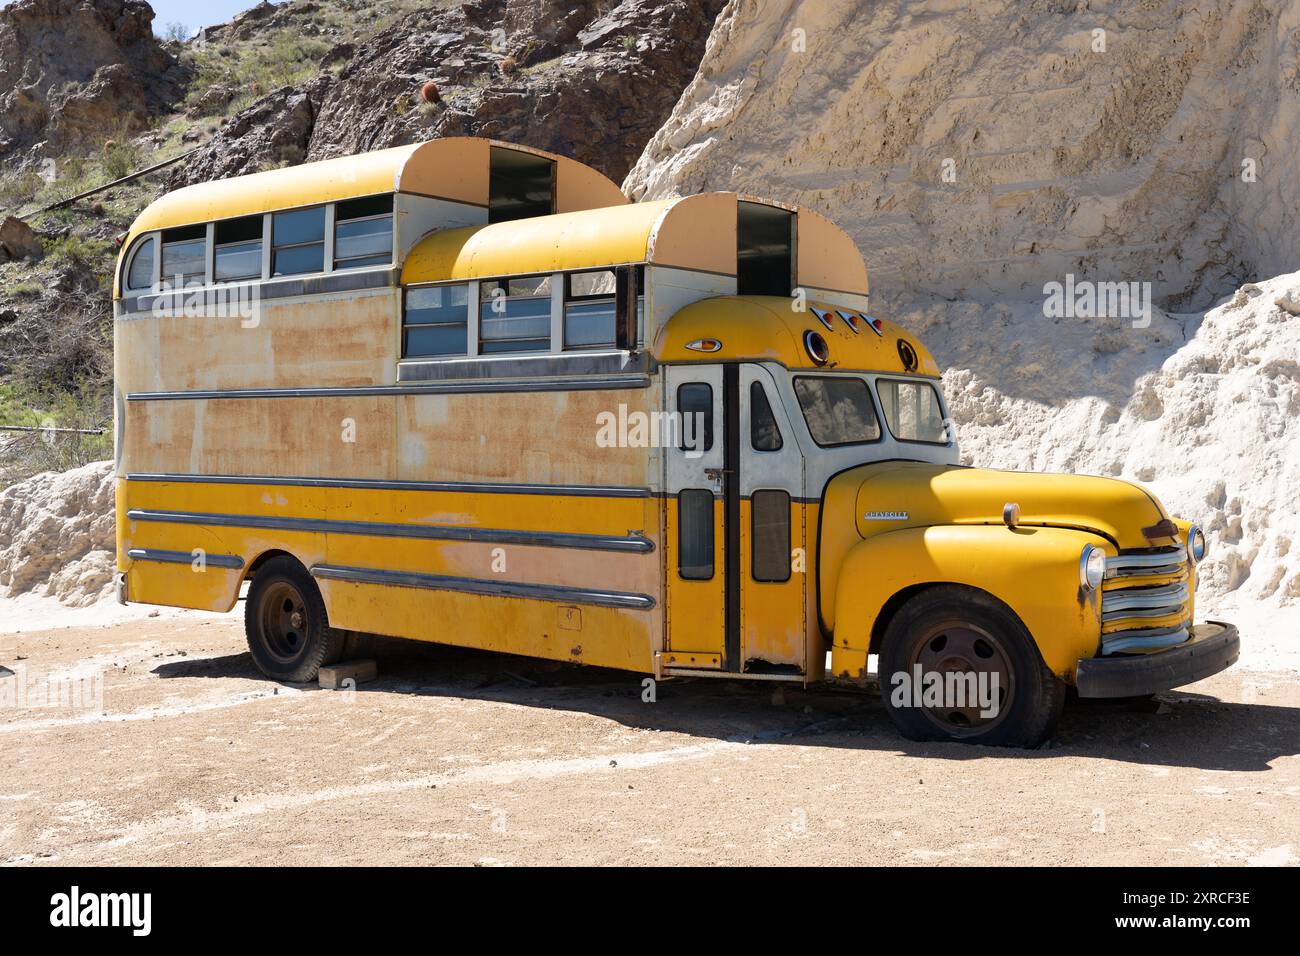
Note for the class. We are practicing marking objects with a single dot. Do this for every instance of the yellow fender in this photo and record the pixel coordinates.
(1034, 571)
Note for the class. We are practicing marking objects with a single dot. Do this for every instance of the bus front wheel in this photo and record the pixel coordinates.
(288, 632)
(956, 664)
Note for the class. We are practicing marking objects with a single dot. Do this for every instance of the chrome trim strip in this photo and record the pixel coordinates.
(604, 362)
(1146, 637)
(443, 582)
(379, 277)
(1139, 613)
(232, 561)
(1170, 595)
(634, 544)
(465, 487)
(1173, 559)
(609, 382)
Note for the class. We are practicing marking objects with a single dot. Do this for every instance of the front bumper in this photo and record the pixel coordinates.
(1213, 646)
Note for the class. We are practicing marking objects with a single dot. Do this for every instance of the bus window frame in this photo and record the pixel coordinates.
(938, 398)
(200, 279)
(262, 258)
(611, 297)
(326, 242)
(489, 281)
(471, 323)
(124, 281)
(871, 397)
(338, 265)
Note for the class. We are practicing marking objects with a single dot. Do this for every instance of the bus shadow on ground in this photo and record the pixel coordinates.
(1174, 729)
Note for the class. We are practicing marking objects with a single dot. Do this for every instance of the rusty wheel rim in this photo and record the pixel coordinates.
(285, 622)
(959, 647)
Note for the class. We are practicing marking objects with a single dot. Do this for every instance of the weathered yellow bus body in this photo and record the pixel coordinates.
(464, 392)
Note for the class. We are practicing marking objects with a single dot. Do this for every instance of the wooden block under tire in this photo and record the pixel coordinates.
(334, 676)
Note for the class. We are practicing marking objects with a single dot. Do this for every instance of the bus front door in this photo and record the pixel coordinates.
(736, 526)
(773, 527)
(695, 512)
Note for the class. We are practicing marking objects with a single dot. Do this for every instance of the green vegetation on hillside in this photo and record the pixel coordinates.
(55, 315)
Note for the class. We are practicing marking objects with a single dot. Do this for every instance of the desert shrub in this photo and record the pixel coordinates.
(120, 159)
(88, 413)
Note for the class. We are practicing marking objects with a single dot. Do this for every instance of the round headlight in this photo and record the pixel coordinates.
(1195, 544)
(817, 348)
(1092, 567)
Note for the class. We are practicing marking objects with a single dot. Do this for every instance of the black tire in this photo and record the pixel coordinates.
(284, 619)
(959, 629)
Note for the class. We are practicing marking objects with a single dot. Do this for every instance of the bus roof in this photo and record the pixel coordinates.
(695, 232)
(454, 168)
(766, 328)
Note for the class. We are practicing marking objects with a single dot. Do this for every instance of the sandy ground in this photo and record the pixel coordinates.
(471, 758)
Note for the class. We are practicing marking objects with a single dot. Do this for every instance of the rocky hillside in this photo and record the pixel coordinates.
(74, 75)
(588, 79)
(88, 94)
(976, 150)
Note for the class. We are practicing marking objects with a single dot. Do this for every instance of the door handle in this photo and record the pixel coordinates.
(715, 474)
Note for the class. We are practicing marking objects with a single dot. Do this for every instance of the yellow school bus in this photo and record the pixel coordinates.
(465, 392)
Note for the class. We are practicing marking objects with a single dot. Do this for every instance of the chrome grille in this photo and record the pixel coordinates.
(1143, 602)
(1165, 561)
(1144, 638)
(1138, 602)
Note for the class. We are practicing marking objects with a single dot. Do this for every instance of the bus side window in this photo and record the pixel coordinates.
(695, 406)
(298, 242)
(140, 274)
(590, 320)
(363, 232)
(515, 315)
(695, 532)
(435, 321)
(184, 256)
(770, 533)
(764, 434)
(238, 249)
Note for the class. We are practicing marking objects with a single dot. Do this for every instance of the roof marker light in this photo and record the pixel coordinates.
(824, 317)
(850, 320)
(876, 325)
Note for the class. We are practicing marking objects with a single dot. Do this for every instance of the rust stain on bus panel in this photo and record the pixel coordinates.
(348, 436)
(541, 437)
(325, 341)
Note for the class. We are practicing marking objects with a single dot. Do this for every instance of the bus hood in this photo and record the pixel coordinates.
(894, 495)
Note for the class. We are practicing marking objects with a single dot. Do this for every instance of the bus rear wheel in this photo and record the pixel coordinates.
(288, 631)
(956, 664)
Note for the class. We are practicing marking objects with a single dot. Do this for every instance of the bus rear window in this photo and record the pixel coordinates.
(140, 275)
(838, 411)
(912, 411)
